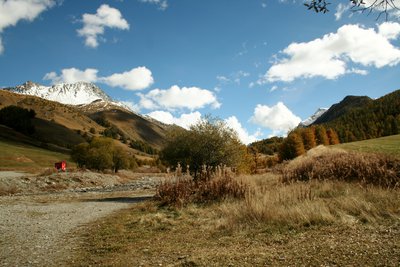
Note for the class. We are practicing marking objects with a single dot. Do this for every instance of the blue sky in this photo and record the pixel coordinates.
(261, 65)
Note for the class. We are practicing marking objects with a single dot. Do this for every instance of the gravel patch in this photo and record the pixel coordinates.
(37, 226)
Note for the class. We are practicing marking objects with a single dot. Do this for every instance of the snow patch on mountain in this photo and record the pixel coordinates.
(313, 117)
(79, 93)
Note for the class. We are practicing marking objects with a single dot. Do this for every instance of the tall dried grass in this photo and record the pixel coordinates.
(376, 169)
(182, 191)
(300, 204)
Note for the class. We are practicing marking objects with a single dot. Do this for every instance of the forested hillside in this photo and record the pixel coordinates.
(380, 117)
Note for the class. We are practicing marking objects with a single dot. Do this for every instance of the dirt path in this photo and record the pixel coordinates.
(35, 230)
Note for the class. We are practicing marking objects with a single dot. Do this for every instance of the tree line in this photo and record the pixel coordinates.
(378, 118)
(19, 119)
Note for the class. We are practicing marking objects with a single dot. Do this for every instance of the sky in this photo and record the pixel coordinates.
(260, 65)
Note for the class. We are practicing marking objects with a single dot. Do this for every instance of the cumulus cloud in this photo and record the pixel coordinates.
(95, 24)
(136, 79)
(278, 118)
(11, 12)
(185, 120)
(72, 75)
(244, 136)
(329, 56)
(179, 98)
(162, 4)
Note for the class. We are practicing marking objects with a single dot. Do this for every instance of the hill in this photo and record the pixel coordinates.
(360, 118)
(25, 157)
(386, 145)
(67, 125)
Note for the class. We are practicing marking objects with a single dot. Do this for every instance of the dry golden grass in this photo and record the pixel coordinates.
(182, 191)
(279, 222)
(302, 223)
(300, 204)
(335, 164)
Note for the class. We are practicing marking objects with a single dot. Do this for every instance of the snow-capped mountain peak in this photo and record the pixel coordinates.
(79, 93)
(313, 117)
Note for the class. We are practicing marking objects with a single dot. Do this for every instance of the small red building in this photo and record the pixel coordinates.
(61, 166)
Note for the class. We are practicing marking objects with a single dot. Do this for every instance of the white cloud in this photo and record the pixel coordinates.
(162, 4)
(185, 120)
(329, 56)
(72, 75)
(136, 79)
(389, 30)
(278, 118)
(94, 24)
(11, 12)
(341, 9)
(233, 123)
(179, 98)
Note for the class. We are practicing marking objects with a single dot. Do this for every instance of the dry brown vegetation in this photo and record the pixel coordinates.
(182, 191)
(315, 222)
(334, 164)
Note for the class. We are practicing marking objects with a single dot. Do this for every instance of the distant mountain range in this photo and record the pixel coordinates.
(67, 114)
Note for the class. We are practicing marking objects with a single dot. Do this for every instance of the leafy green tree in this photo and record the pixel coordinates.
(208, 143)
(100, 154)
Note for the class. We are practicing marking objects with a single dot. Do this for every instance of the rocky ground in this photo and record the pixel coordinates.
(39, 213)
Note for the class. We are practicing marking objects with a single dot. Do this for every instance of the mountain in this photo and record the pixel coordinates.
(68, 114)
(79, 93)
(343, 107)
(313, 117)
(358, 118)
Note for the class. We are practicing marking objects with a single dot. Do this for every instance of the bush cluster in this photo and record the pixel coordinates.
(101, 154)
(373, 169)
(184, 191)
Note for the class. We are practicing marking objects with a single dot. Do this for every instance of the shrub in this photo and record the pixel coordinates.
(185, 190)
(373, 169)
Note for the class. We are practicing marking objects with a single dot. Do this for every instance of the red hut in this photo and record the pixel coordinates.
(61, 166)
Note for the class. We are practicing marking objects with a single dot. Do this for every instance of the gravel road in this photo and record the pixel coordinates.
(36, 230)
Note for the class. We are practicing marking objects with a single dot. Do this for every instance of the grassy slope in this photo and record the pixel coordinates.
(386, 145)
(23, 157)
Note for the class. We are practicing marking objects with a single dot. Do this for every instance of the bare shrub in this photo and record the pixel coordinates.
(182, 191)
(373, 169)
